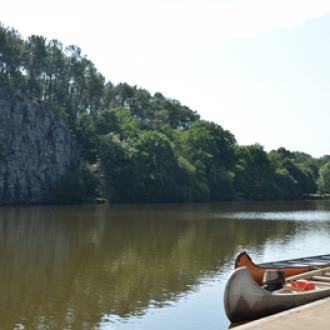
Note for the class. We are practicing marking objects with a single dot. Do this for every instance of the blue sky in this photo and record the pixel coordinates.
(259, 68)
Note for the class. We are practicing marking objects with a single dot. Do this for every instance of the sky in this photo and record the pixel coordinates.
(258, 68)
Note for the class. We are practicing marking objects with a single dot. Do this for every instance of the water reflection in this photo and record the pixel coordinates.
(79, 266)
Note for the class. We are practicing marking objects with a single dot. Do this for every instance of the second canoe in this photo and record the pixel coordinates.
(289, 267)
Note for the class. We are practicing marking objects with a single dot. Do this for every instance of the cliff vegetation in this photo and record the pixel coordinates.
(144, 148)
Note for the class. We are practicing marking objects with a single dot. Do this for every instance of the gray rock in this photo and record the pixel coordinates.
(31, 165)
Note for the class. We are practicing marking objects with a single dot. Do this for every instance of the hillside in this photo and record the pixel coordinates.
(143, 148)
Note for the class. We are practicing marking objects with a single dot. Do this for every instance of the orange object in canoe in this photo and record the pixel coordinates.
(289, 267)
(303, 285)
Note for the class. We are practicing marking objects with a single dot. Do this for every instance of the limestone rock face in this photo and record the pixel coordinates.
(37, 149)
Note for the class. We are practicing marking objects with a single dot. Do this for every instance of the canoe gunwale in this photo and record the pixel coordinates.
(306, 261)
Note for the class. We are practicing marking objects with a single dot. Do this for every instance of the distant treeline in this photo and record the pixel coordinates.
(143, 148)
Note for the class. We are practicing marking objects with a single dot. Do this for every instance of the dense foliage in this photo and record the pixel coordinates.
(66, 81)
(143, 148)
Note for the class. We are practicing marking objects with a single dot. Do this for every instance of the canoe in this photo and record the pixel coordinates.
(289, 267)
(245, 300)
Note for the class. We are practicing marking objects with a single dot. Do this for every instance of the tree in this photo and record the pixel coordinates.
(118, 121)
(286, 153)
(243, 179)
(36, 63)
(139, 104)
(85, 133)
(324, 179)
(287, 184)
(156, 153)
(108, 96)
(12, 55)
(50, 66)
(95, 87)
(303, 176)
(211, 144)
(221, 184)
(124, 178)
(71, 189)
(123, 94)
(74, 73)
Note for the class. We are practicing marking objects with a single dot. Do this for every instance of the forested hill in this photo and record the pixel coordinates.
(143, 148)
(69, 83)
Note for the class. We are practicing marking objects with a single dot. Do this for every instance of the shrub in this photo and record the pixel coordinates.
(77, 187)
(71, 189)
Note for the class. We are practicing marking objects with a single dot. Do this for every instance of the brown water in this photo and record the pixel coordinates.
(141, 266)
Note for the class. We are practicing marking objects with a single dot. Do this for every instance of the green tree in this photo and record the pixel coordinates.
(284, 153)
(211, 144)
(36, 64)
(95, 88)
(108, 96)
(139, 104)
(304, 177)
(119, 121)
(156, 154)
(221, 184)
(324, 179)
(287, 184)
(255, 174)
(242, 169)
(85, 134)
(123, 176)
(54, 51)
(12, 56)
(71, 189)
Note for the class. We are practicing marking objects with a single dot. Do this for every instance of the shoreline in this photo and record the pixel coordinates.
(103, 201)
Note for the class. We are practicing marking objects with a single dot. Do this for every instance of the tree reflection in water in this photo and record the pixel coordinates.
(70, 266)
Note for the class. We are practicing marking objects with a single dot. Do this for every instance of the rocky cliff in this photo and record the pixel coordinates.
(37, 149)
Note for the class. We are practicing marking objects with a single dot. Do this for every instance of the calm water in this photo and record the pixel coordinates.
(141, 267)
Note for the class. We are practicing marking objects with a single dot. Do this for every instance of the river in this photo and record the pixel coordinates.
(141, 267)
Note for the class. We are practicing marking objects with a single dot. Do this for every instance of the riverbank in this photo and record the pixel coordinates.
(319, 197)
(101, 200)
